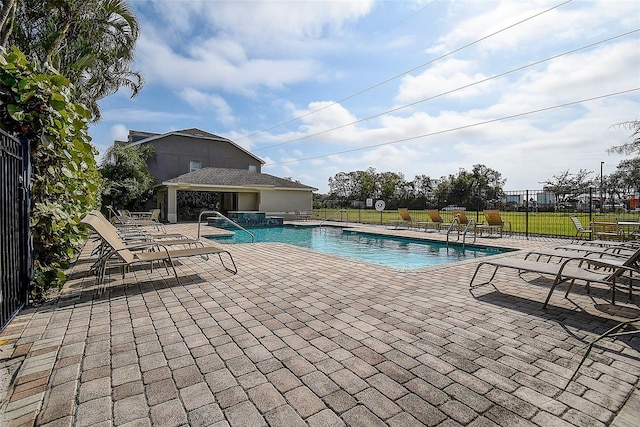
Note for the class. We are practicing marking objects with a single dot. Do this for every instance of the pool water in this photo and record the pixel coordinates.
(394, 252)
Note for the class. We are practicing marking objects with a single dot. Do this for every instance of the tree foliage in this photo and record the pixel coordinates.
(65, 182)
(127, 178)
(91, 43)
(633, 145)
(465, 188)
(626, 178)
(569, 185)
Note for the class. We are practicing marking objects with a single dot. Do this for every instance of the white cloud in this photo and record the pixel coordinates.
(143, 115)
(571, 22)
(223, 68)
(209, 102)
(445, 76)
(259, 20)
(119, 132)
(240, 46)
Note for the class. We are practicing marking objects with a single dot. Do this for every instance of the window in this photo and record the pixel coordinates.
(195, 165)
(253, 168)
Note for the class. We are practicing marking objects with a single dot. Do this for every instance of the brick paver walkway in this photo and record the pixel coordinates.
(301, 338)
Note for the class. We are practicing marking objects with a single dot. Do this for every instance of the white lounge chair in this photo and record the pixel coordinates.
(119, 252)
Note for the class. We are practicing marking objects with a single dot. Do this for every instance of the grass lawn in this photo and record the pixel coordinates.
(538, 223)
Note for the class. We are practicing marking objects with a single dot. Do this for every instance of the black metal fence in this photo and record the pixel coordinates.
(527, 212)
(14, 227)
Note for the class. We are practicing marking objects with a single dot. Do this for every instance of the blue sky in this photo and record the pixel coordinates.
(314, 88)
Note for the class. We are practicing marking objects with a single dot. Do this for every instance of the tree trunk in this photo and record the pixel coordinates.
(7, 15)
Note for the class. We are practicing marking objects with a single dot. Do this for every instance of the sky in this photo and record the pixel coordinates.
(313, 88)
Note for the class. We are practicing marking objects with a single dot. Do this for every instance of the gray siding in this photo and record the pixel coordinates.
(174, 153)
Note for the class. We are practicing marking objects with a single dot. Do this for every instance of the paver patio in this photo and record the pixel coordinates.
(302, 338)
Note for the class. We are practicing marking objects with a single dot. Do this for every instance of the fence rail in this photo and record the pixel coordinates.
(529, 212)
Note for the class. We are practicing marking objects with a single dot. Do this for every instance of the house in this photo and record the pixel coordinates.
(196, 170)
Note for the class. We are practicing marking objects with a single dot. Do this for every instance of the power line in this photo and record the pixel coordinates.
(402, 73)
(406, 18)
(540, 110)
(450, 91)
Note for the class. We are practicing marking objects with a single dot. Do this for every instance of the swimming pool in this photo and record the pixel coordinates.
(394, 252)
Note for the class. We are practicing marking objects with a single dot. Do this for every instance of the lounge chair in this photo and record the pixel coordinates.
(607, 229)
(435, 223)
(464, 223)
(494, 223)
(124, 219)
(590, 270)
(405, 220)
(572, 251)
(139, 235)
(118, 252)
(609, 243)
(581, 231)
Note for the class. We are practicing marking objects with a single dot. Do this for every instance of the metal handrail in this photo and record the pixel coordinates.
(455, 220)
(218, 214)
(331, 216)
(464, 234)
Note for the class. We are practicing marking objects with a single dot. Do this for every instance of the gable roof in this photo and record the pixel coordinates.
(223, 177)
(189, 133)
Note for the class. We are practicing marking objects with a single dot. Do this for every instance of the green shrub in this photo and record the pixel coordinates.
(65, 184)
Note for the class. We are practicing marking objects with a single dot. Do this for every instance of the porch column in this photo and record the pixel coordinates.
(172, 205)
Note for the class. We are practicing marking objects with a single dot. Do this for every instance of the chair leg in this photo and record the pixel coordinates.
(472, 286)
(613, 292)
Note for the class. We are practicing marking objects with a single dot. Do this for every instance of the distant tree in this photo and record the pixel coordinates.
(462, 189)
(356, 185)
(367, 184)
(442, 191)
(391, 185)
(341, 186)
(471, 189)
(125, 174)
(488, 183)
(633, 146)
(626, 179)
(423, 189)
(567, 186)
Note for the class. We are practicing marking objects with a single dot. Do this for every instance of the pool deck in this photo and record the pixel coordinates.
(300, 338)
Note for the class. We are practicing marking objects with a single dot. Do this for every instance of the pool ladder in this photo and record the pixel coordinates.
(335, 213)
(219, 215)
(456, 220)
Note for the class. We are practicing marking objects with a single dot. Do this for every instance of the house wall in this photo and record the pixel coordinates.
(248, 201)
(174, 153)
(282, 201)
(275, 202)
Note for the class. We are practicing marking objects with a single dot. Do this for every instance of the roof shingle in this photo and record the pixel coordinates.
(223, 177)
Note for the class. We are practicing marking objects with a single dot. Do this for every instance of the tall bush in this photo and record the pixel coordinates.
(65, 184)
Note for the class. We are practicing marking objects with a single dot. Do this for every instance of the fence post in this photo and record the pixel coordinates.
(526, 215)
(27, 242)
(590, 205)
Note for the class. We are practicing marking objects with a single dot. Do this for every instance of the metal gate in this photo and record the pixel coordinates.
(15, 260)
